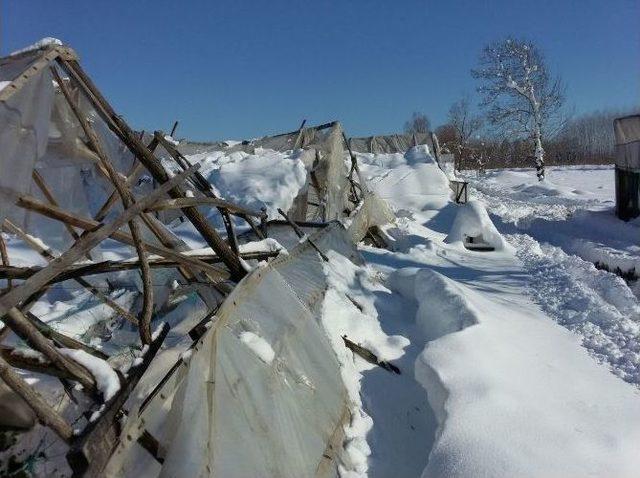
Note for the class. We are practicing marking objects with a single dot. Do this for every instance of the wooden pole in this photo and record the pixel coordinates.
(4, 255)
(24, 329)
(203, 186)
(86, 243)
(144, 325)
(32, 204)
(154, 166)
(202, 201)
(80, 270)
(46, 414)
(300, 234)
(49, 256)
(297, 144)
(173, 130)
(22, 361)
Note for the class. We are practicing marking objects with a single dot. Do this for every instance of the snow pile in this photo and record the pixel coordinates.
(472, 221)
(107, 380)
(444, 309)
(515, 395)
(267, 178)
(412, 180)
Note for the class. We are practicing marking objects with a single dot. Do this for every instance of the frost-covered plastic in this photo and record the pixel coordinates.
(272, 406)
(627, 131)
(24, 129)
(373, 211)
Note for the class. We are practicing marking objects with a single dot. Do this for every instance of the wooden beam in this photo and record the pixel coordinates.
(301, 234)
(32, 204)
(369, 356)
(61, 339)
(24, 329)
(154, 166)
(173, 130)
(80, 270)
(4, 256)
(203, 186)
(133, 175)
(10, 299)
(46, 57)
(46, 414)
(144, 321)
(90, 451)
(37, 245)
(202, 201)
(17, 359)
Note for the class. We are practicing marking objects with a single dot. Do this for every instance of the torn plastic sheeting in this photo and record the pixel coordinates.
(231, 413)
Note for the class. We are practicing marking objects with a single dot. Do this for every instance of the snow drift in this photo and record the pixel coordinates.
(515, 395)
(472, 221)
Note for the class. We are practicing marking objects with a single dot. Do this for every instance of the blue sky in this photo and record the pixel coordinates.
(239, 69)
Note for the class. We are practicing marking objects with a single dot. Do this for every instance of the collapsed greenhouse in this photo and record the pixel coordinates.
(254, 387)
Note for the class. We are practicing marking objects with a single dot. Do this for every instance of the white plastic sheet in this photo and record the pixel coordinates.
(24, 129)
(231, 413)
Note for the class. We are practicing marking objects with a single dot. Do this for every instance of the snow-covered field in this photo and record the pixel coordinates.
(560, 229)
(521, 361)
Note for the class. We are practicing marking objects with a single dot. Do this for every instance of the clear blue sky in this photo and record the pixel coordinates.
(239, 69)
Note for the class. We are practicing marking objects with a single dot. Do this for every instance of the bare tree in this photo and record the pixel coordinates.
(448, 138)
(419, 123)
(465, 123)
(520, 97)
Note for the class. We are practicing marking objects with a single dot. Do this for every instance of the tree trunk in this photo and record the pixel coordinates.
(539, 154)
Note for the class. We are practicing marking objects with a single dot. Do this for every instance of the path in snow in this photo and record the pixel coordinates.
(404, 424)
(595, 304)
(558, 235)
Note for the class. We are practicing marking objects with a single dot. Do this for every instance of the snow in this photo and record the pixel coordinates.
(171, 140)
(510, 390)
(107, 380)
(258, 346)
(472, 221)
(44, 42)
(521, 361)
(267, 178)
(513, 393)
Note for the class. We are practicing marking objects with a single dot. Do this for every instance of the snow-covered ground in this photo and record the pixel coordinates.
(506, 356)
(512, 392)
(560, 229)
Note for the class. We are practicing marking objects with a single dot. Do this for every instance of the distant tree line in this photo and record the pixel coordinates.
(521, 120)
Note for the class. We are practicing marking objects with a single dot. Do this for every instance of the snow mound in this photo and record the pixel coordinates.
(514, 395)
(472, 220)
(412, 180)
(267, 178)
(442, 307)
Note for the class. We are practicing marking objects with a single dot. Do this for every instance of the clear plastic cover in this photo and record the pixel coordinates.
(262, 394)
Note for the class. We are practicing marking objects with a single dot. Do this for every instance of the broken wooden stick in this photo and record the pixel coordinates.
(49, 256)
(46, 414)
(301, 234)
(86, 243)
(369, 356)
